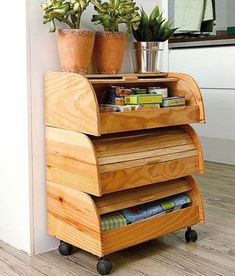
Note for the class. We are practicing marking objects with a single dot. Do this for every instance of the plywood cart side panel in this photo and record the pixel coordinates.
(68, 213)
(192, 133)
(71, 160)
(71, 103)
(197, 197)
(187, 86)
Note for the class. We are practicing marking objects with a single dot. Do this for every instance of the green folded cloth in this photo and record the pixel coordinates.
(112, 221)
(190, 15)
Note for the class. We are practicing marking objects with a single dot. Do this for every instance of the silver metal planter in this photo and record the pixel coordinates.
(145, 57)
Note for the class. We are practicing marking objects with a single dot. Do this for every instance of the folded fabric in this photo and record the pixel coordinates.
(147, 210)
(112, 221)
(208, 25)
(190, 14)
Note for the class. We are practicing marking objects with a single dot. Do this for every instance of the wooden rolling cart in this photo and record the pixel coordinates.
(98, 163)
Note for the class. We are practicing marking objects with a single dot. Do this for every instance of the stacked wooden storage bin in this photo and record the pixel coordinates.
(98, 163)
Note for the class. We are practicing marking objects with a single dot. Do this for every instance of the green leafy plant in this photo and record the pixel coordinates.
(115, 12)
(68, 12)
(154, 27)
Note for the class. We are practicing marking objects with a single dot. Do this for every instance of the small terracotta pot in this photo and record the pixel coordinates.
(109, 51)
(75, 49)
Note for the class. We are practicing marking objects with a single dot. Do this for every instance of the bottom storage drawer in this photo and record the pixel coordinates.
(148, 229)
(75, 217)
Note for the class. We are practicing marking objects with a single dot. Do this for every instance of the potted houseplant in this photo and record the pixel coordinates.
(151, 31)
(110, 45)
(75, 46)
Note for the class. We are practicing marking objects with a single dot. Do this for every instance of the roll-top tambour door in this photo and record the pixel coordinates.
(121, 161)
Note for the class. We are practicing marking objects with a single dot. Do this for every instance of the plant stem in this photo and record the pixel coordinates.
(78, 22)
(70, 24)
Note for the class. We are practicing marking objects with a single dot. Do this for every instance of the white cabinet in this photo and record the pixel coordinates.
(220, 114)
(211, 67)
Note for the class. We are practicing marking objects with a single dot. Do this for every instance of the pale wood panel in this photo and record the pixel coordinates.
(68, 213)
(146, 154)
(197, 144)
(71, 160)
(146, 119)
(129, 143)
(197, 196)
(73, 180)
(143, 158)
(139, 176)
(148, 229)
(133, 81)
(70, 103)
(70, 144)
(120, 200)
(186, 86)
(168, 255)
(146, 161)
(126, 76)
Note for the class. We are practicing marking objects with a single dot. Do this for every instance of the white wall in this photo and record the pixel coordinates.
(44, 57)
(15, 203)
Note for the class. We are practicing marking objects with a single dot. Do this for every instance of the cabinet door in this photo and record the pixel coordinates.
(211, 67)
(220, 114)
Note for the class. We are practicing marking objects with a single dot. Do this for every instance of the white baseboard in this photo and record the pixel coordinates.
(218, 150)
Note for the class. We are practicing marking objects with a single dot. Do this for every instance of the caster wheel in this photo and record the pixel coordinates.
(65, 248)
(191, 235)
(104, 267)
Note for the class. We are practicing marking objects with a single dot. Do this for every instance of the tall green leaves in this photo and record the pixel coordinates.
(154, 27)
(68, 12)
(114, 12)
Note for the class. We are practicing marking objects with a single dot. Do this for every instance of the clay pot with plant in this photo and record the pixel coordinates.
(110, 45)
(75, 46)
(151, 31)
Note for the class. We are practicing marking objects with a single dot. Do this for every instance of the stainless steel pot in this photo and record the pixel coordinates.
(145, 57)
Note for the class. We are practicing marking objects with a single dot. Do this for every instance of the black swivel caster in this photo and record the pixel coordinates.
(65, 248)
(103, 266)
(191, 235)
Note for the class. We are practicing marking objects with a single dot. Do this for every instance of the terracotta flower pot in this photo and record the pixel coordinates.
(75, 49)
(109, 51)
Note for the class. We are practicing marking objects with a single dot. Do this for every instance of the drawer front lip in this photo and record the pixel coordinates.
(146, 175)
(148, 229)
(137, 120)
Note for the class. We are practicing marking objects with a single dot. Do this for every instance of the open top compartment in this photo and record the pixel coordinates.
(72, 102)
(68, 210)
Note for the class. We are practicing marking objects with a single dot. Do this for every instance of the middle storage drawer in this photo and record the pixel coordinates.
(102, 165)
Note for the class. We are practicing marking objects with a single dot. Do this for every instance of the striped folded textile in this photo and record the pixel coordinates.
(157, 207)
(191, 14)
(112, 221)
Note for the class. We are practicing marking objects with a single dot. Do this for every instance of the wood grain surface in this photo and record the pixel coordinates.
(148, 229)
(71, 161)
(145, 119)
(72, 102)
(73, 217)
(124, 199)
(212, 255)
(101, 165)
